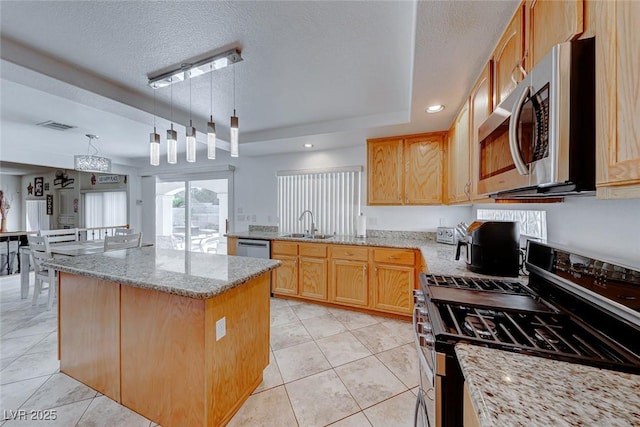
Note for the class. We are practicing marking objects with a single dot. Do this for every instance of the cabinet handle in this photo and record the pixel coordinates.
(364, 270)
(467, 191)
(393, 257)
(348, 254)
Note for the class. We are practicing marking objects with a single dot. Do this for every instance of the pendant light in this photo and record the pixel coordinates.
(211, 127)
(233, 129)
(172, 139)
(154, 138)
(191, 134)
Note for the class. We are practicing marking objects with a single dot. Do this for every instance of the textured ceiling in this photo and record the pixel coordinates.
(331, 72)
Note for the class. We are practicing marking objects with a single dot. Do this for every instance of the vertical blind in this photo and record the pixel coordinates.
(105, 209)
(332, 195)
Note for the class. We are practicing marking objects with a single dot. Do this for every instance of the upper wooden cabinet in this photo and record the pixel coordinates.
(480, 102)
(459, 185)
(508, 58)
(423, 170)
(405, 170)
(618, 106)
(384, 174)
(549, 22)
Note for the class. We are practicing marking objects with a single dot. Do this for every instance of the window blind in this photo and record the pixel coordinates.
(105, 209)
(332, 195)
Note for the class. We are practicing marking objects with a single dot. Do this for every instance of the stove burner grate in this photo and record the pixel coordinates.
(480, 325)
(478, 284)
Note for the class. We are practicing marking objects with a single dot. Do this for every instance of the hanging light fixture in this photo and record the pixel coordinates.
(191, 134)
(92, 162)
(211, 127)
(172, 139)
(233, 129)
(154, 139)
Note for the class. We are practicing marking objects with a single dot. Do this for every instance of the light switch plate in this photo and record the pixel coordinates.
(221, 328)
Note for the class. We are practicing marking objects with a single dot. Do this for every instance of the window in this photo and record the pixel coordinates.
(105, 209)
(37, 218)
(333, 195)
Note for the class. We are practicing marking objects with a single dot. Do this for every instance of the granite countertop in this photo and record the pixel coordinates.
(177, 272)
(399, 240)
(439, 257)
(512, 389)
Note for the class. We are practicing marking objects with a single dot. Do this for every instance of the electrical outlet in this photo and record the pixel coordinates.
(221, 328)
(240, 217)
(253, 218)
(240, 210)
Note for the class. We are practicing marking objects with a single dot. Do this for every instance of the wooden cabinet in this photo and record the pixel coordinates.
(549, 22)
(393, 280)
(232, 245)
(349, 275)
(312, 277)
(469, 415)
(405, 170)
(508, 57)
(480, 102)
(303, 271)
(423, 160)
(384, 176)
(459, 186)
(618, 106)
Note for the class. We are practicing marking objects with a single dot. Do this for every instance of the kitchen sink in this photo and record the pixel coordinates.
(296, 235)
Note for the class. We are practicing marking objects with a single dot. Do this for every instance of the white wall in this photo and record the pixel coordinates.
(10, 185)
(607, 227)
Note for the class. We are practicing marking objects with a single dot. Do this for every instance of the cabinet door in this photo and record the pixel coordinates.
(507, 59)
(285, 277)
(392, 288)
(349, 282)
(479, 110)
(618, 108)
(459, 185)
(423, 170)
(384, 163)
(551, 22)
(313, 278)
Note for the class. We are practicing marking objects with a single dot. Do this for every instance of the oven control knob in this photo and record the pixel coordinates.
(418, 296)
(425, 328)
(423, 312)
(427, 340)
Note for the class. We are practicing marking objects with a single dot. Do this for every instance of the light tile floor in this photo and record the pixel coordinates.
(328, 367)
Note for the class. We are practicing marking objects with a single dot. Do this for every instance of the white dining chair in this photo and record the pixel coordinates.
(62, 235)
(40, 252)
(125, 241)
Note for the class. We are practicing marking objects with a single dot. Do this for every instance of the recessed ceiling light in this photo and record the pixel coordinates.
(434, 108)
(307, 145)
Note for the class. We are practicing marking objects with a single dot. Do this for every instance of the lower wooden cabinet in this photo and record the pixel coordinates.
(376, 279)
(285, 277)
(392, 288)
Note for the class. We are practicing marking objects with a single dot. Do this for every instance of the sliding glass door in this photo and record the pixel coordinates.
(192, 215)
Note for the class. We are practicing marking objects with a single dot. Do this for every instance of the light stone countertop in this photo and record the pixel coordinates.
(177, 272)
(512, 389)
(439, 257)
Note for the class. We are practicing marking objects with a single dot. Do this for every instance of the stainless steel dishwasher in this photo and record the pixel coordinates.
(254, 248)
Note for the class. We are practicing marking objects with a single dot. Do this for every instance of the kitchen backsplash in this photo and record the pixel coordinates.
(532, 223)
(264, 228)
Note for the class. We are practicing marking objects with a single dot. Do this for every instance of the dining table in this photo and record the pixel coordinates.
(69, 249)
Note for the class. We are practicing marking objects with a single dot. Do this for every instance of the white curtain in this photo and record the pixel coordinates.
(105, 209)
(37, 218)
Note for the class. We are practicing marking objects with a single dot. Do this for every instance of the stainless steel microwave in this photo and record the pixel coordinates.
(540, 141)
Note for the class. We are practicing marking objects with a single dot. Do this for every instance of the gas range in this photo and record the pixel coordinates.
(574, 308)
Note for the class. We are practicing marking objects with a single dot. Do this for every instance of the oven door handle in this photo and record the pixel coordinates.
(421, 358)
(521, 167)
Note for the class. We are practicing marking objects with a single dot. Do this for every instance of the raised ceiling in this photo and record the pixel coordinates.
(333, 73)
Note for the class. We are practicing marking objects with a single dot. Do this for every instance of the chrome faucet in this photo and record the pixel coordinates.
(313, 225)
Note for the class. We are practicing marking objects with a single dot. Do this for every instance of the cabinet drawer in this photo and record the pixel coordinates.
(316, 250)
(349, 252)
(284, 248)
(394, 256)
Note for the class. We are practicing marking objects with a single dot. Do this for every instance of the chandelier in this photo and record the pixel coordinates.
(92, 162)
(188, 71)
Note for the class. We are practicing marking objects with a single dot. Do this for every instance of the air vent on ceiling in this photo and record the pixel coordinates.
(55, 125)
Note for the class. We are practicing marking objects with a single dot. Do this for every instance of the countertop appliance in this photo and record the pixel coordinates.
(492, 247)
(254, 248)
(546, 128)
(447, 235)
(575, 307)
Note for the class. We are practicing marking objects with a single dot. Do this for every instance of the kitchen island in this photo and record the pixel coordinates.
(181, 338)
